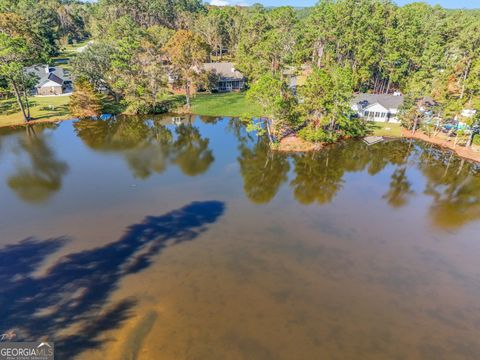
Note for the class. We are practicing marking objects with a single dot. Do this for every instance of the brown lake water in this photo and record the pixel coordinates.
(186, 238)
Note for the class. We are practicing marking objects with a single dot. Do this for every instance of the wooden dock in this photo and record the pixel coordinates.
(371, 140)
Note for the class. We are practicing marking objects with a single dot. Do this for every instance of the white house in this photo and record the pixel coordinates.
(468, 113)
(378, 107)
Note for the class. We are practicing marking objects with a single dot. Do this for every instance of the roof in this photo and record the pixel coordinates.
(428, 101)
(469, 113)
(51, 77)
(386, 100)
(55, 74)
(225, 70)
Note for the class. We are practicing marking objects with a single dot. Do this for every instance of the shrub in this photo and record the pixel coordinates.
(310, 133)
(476, 140)
(85, 102)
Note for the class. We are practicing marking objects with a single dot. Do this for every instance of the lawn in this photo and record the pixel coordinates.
(68, 53)
(41, 108)
(74, 47)
(385, 129)
(229, 104)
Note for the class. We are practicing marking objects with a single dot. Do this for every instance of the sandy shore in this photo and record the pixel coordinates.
(292, 143)
(472, 153)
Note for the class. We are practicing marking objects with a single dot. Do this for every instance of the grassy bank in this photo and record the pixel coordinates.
(228, 104)
(41, 108)
(56, 107)
(385, 129)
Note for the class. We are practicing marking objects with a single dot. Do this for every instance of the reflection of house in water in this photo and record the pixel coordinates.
(378, 107)
(181, 120)
(177, 120)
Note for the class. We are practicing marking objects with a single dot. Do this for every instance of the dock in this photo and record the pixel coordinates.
(371, 140)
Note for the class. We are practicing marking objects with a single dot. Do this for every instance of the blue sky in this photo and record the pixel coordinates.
(452, 4)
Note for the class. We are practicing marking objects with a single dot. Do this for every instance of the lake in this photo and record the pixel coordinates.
(187, 238)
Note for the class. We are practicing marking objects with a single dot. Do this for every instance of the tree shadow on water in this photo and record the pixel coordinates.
(74, 292)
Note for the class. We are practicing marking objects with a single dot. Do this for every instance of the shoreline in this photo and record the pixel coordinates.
(472, 153)
(38, 121)
(293, 143)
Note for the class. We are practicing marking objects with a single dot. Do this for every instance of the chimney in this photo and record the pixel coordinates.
(47, 70)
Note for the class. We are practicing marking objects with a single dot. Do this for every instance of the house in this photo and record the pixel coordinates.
(378, 107)
(296, 77)
(229, 78)
(426, 104)
(468, 113)
(50, 80)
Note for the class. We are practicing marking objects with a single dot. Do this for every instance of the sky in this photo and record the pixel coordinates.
(450, 4)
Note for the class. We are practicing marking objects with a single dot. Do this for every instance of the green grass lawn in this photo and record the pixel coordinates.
(228, 104)
(67, 54)
(74, 47)
(385, 129)
(41, 108)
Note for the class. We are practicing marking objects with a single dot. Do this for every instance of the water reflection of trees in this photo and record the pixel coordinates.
(319, 176)
(400, 189)
(71, 301)
(35, 180)
(452, 183)
(148, 145)
(190, 151)
(263, 171)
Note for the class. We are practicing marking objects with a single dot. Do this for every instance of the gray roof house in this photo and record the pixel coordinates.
(51, 80)
(229, 78)
(378, 107)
